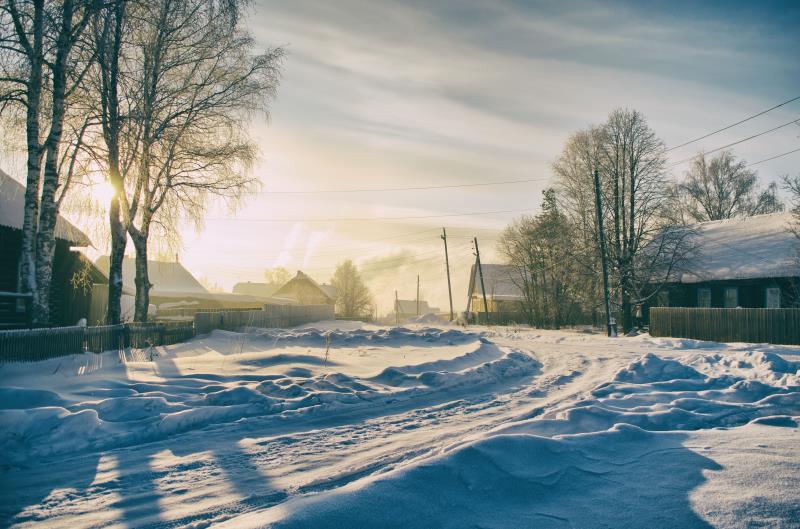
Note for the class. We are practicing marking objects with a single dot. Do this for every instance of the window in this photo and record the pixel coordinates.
(773, 298)
(663, 299)
(731, 297)
(703, 297)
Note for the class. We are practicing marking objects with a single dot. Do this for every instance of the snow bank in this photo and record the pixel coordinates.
(623, 477)
(615, 458)
(384, 337)
(426, 319)
(108, 410)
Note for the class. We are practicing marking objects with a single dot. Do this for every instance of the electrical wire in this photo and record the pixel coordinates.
(733, 124)
(773, 157)
(363, 219)
(411, 188)
(796, 120)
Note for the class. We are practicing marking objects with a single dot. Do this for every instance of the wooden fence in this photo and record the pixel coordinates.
(271, 316)
(32, 345)
(189, 312)
(778, 326)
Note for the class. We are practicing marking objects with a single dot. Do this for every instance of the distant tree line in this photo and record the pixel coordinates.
(153, 95)
(647, 220)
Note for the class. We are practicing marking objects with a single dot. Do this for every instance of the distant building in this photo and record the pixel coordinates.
(73, 273)
(503, 293)
(751, 262)
(407, 308)
(174, 287)
(304, 290)
(256, 289)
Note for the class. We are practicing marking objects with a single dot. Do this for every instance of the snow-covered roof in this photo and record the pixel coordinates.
(748, 248)
(329, 291)
(256, 289)
(12, 212)
(166, 277)
(499, 281)
(409, 306)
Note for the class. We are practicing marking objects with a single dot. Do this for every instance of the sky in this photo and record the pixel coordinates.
(380, 93)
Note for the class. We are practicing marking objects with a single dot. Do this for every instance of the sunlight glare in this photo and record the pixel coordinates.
(103, 192)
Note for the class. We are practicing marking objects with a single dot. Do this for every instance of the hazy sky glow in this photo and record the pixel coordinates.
(379, 93)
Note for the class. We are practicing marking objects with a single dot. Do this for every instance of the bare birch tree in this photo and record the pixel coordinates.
(194, 85)
(114, 109)
(644, 243)
(573, 169)
(723, 188)
(41, 69)
(353, 298)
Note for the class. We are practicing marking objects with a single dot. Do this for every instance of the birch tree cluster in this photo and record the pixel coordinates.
(154, 96)
(648, 218)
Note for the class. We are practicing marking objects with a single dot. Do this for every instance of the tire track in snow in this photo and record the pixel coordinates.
(312, 455)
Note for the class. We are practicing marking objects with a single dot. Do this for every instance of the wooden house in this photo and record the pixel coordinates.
(304, 290)
(405, 309)
(175, 290)
(503, 293)
(249, 288)
(73, 273)
(750, 263)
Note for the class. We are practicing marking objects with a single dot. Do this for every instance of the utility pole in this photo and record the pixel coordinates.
(480, 273)
(396, 310)
(602, 237)
(447, 265)
(417, 294)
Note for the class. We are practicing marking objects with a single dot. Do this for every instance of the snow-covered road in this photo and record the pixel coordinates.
(370, 426)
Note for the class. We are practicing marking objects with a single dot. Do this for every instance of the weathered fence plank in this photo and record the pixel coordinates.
(779, 326)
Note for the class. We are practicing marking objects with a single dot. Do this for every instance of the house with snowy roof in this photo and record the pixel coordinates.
(410, 308)
(250, 288)
(304, 290)
(73, 273)
(503, 291)
(749, 262)
(174, 287)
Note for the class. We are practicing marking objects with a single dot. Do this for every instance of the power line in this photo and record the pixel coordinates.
(411, 188)
(733, 124)
(362, 219)
(773, 157)
(796, 120)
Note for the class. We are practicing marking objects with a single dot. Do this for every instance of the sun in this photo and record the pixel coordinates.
(103, 192)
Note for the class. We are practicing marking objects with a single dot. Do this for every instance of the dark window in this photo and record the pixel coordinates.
(703, 297)
(731, 297)
(772, 298)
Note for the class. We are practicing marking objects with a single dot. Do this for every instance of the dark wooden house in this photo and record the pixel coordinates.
(751, 263)
(73, 273)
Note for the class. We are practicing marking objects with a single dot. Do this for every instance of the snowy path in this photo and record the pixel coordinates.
(225, 470)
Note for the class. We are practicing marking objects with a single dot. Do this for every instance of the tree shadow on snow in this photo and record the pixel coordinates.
(600, 480)
(25, 488)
